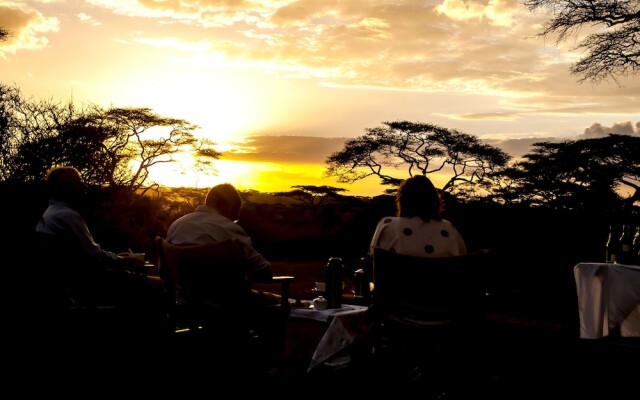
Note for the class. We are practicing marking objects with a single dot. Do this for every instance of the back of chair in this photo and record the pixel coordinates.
(66, 274)
(217, 307)
(423, 291)
(209, 273)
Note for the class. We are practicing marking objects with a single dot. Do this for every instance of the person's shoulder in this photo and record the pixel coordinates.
(188, 216)
(388, 220)
(60, 208)
(385, 222)
(445, 222)
(449, 224)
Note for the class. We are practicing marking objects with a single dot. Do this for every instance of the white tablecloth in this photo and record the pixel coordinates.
(608, 297)
(346, 324)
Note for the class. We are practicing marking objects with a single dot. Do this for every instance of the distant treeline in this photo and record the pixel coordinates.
(534, 249)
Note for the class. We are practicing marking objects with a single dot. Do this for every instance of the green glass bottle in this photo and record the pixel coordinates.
(611, 247)
(636, 245)
(625, 256)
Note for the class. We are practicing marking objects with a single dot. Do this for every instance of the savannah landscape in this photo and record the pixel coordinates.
(543, 212)
(537, 214)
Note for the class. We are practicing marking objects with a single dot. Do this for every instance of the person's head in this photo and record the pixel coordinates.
(65, 184)
(225, 199)
(417, 197)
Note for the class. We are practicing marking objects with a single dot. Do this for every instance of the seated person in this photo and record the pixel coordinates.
(418, 229)
(216, 220)
(75, 259)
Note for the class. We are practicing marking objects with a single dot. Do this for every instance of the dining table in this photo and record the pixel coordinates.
(328, 334)
(608, 299)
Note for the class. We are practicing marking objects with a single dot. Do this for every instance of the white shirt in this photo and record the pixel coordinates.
(206, 225)
(414, 237)
(65, 223)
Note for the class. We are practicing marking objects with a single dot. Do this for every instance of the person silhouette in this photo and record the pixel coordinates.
(418, 228)
(74, 259)
(216, 220)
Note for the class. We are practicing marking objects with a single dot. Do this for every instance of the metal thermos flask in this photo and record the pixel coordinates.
(333, 282)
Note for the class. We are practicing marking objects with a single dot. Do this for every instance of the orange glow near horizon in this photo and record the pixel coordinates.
(263, 177)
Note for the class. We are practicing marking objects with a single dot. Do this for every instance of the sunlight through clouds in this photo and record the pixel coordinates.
(213, 13)
(498, 12)
(362, 46)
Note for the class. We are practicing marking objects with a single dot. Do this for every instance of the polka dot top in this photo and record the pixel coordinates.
(413, 236)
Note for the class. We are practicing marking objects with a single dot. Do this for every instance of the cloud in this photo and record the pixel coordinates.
(519, 147)
(408, 45)
(88, 19)
(621, 128)
(453, 46)
(456, 46)
(27, 28)
(496, 12)
(315, 150)
(206, 13)
(481, 116)
(285, 149)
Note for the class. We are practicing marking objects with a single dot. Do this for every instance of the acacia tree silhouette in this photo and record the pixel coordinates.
(613, 49)
(314, 196)
(111, 147)
(576, 174)
(420, 148)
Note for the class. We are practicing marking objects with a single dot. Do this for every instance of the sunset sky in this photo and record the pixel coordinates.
(289, 80)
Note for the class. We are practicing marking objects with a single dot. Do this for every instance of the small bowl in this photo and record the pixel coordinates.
(320, 303)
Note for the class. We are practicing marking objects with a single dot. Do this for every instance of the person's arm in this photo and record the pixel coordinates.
(257, 267)
(80, 231)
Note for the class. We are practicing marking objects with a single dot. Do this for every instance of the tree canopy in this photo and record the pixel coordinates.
(311, 195)
(613, 49)
(599, 173)
(110, 146)
(420, 148)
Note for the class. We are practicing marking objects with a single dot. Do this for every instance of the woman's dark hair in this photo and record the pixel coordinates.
(417, 197)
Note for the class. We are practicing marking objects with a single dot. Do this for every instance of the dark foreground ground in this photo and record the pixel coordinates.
(508, 361)
(516, 353)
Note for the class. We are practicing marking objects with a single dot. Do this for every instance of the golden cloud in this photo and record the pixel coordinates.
(27, 28)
